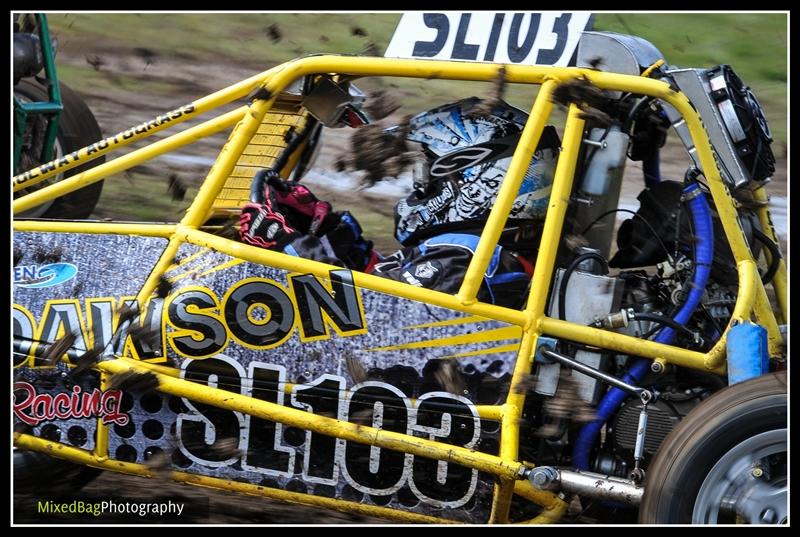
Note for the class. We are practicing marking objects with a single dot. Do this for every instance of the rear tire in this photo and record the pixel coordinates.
(77, 128)
(706, 471)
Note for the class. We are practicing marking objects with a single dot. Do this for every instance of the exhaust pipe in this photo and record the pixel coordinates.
(586, 484)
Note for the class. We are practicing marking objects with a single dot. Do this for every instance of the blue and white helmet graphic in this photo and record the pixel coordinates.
(468, 160)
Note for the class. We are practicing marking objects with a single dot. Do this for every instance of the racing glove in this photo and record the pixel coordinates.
(302, 208)
(261, 225)
(293, 220)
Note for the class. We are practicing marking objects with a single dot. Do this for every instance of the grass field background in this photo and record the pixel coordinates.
(755, 44)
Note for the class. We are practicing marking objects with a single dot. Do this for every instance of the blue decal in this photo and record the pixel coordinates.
(39, 276)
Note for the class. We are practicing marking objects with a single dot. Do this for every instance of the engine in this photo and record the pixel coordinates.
(639, 292)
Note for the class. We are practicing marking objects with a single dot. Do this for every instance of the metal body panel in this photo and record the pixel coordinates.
(606, 293)
(398, 345)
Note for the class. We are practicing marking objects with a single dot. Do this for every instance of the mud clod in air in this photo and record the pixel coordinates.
(134, 382)
(595, 63)
(378, 153)
(370, 49)
(85, 363)
(228, 448)
(158, 463)
(43, 257)
(380, 104)
(450, 378)
(176, 188)
(127, 312)
(147, 55)
(525, 384)
(57, 349)
(566, 405)
(493, 98)
(597, 117)
(589, 98)
(76, 290)
(356, 370)
(575, 242)
(164, 287)
(580, 92)
(274, 32)
(95, 61)
(229, 230)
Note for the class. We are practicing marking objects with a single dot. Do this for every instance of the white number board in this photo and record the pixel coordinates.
(500, 37)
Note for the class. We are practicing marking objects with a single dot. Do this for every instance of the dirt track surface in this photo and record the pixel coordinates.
(126, 106)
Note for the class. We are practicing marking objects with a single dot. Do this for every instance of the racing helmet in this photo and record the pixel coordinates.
(466, 159)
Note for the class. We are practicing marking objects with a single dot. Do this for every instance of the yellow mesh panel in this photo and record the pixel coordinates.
(262, 151)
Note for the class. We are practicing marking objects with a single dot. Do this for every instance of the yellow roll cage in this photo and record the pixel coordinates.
(263, 89)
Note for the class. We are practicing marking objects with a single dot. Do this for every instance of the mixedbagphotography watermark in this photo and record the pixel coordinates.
(85, 508)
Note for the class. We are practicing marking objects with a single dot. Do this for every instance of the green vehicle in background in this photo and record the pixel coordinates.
(50, 119)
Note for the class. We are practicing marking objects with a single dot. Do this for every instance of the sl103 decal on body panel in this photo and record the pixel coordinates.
(321, 345)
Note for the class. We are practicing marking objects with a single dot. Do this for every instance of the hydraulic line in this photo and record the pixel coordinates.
(704, 255)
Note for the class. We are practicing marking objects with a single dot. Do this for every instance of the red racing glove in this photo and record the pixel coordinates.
(291, 211)
(301, 206)
(261, 225)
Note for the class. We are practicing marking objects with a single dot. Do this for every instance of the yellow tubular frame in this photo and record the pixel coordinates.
(779, 281)
(751, 300)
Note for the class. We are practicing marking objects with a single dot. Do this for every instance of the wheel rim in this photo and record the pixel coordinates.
(749, 482)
